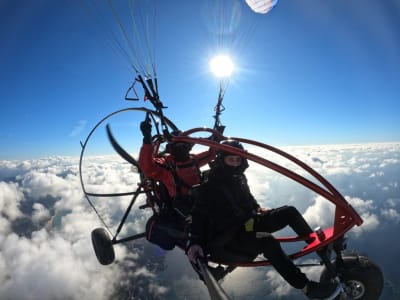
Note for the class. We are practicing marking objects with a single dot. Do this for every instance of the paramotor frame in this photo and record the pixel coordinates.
(126, 156)
(345, 215)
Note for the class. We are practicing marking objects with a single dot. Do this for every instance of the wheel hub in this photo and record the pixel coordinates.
(354, 289)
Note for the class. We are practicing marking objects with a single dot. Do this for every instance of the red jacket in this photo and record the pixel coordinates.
(159, 168)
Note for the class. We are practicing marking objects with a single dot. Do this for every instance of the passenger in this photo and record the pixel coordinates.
(226, 218)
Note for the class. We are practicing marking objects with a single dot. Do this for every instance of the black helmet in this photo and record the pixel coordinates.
(232, 143)
(180, 150)
(230, 170)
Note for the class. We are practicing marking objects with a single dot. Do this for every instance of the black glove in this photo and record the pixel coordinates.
(194, 252)
(145, 127)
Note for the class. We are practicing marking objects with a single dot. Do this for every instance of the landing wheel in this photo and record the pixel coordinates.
(362, 279)
(103, 246)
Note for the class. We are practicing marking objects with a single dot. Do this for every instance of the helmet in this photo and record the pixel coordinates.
(180, 150)
(232, 143)
(220, 160)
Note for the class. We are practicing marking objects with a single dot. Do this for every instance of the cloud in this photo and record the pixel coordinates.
(391, 215)
(365, 208)
(49, 261)
(45, 225)
(79, 127)
(40, 184)
(246, 283)
(40, 213)
(51, 267)
(10, 198)
(278, 285)
(320, 214)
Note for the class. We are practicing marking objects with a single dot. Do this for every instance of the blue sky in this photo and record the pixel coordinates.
(310, 72)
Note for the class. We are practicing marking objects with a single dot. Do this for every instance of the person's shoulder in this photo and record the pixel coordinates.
(201, 188)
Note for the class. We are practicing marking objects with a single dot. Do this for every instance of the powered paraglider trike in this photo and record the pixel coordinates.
(361, 278)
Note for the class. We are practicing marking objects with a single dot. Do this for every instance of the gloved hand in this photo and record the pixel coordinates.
(194, 252)
(145, 127)
(262, 211)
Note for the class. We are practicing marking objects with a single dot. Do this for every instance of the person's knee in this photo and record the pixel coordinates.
(291, 210)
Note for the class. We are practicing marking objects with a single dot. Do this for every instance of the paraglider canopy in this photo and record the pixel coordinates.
(261, 6)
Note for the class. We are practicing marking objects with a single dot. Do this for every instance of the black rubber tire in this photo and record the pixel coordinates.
(361, 277)
(103, 246)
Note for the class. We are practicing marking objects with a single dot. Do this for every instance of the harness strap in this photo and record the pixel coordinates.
(178, 180)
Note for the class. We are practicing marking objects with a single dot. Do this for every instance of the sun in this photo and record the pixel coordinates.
(221, 66)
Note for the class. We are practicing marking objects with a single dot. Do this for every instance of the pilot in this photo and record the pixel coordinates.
(177, 171)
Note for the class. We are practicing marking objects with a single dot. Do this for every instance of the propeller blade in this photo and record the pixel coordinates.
(121, 151)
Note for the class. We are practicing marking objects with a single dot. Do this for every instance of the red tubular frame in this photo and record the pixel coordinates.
(345, 215)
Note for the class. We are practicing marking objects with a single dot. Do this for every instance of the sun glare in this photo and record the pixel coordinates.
(221, 66)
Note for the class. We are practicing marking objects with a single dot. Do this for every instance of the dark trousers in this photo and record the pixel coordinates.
(278, 218)
(274, 220)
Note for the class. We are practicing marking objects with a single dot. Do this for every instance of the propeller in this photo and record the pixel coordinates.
(121, 151)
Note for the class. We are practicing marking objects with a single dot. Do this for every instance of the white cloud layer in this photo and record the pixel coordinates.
(45, 225)
(10, 198)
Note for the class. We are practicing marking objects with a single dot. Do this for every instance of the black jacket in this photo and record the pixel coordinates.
(222, 205)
